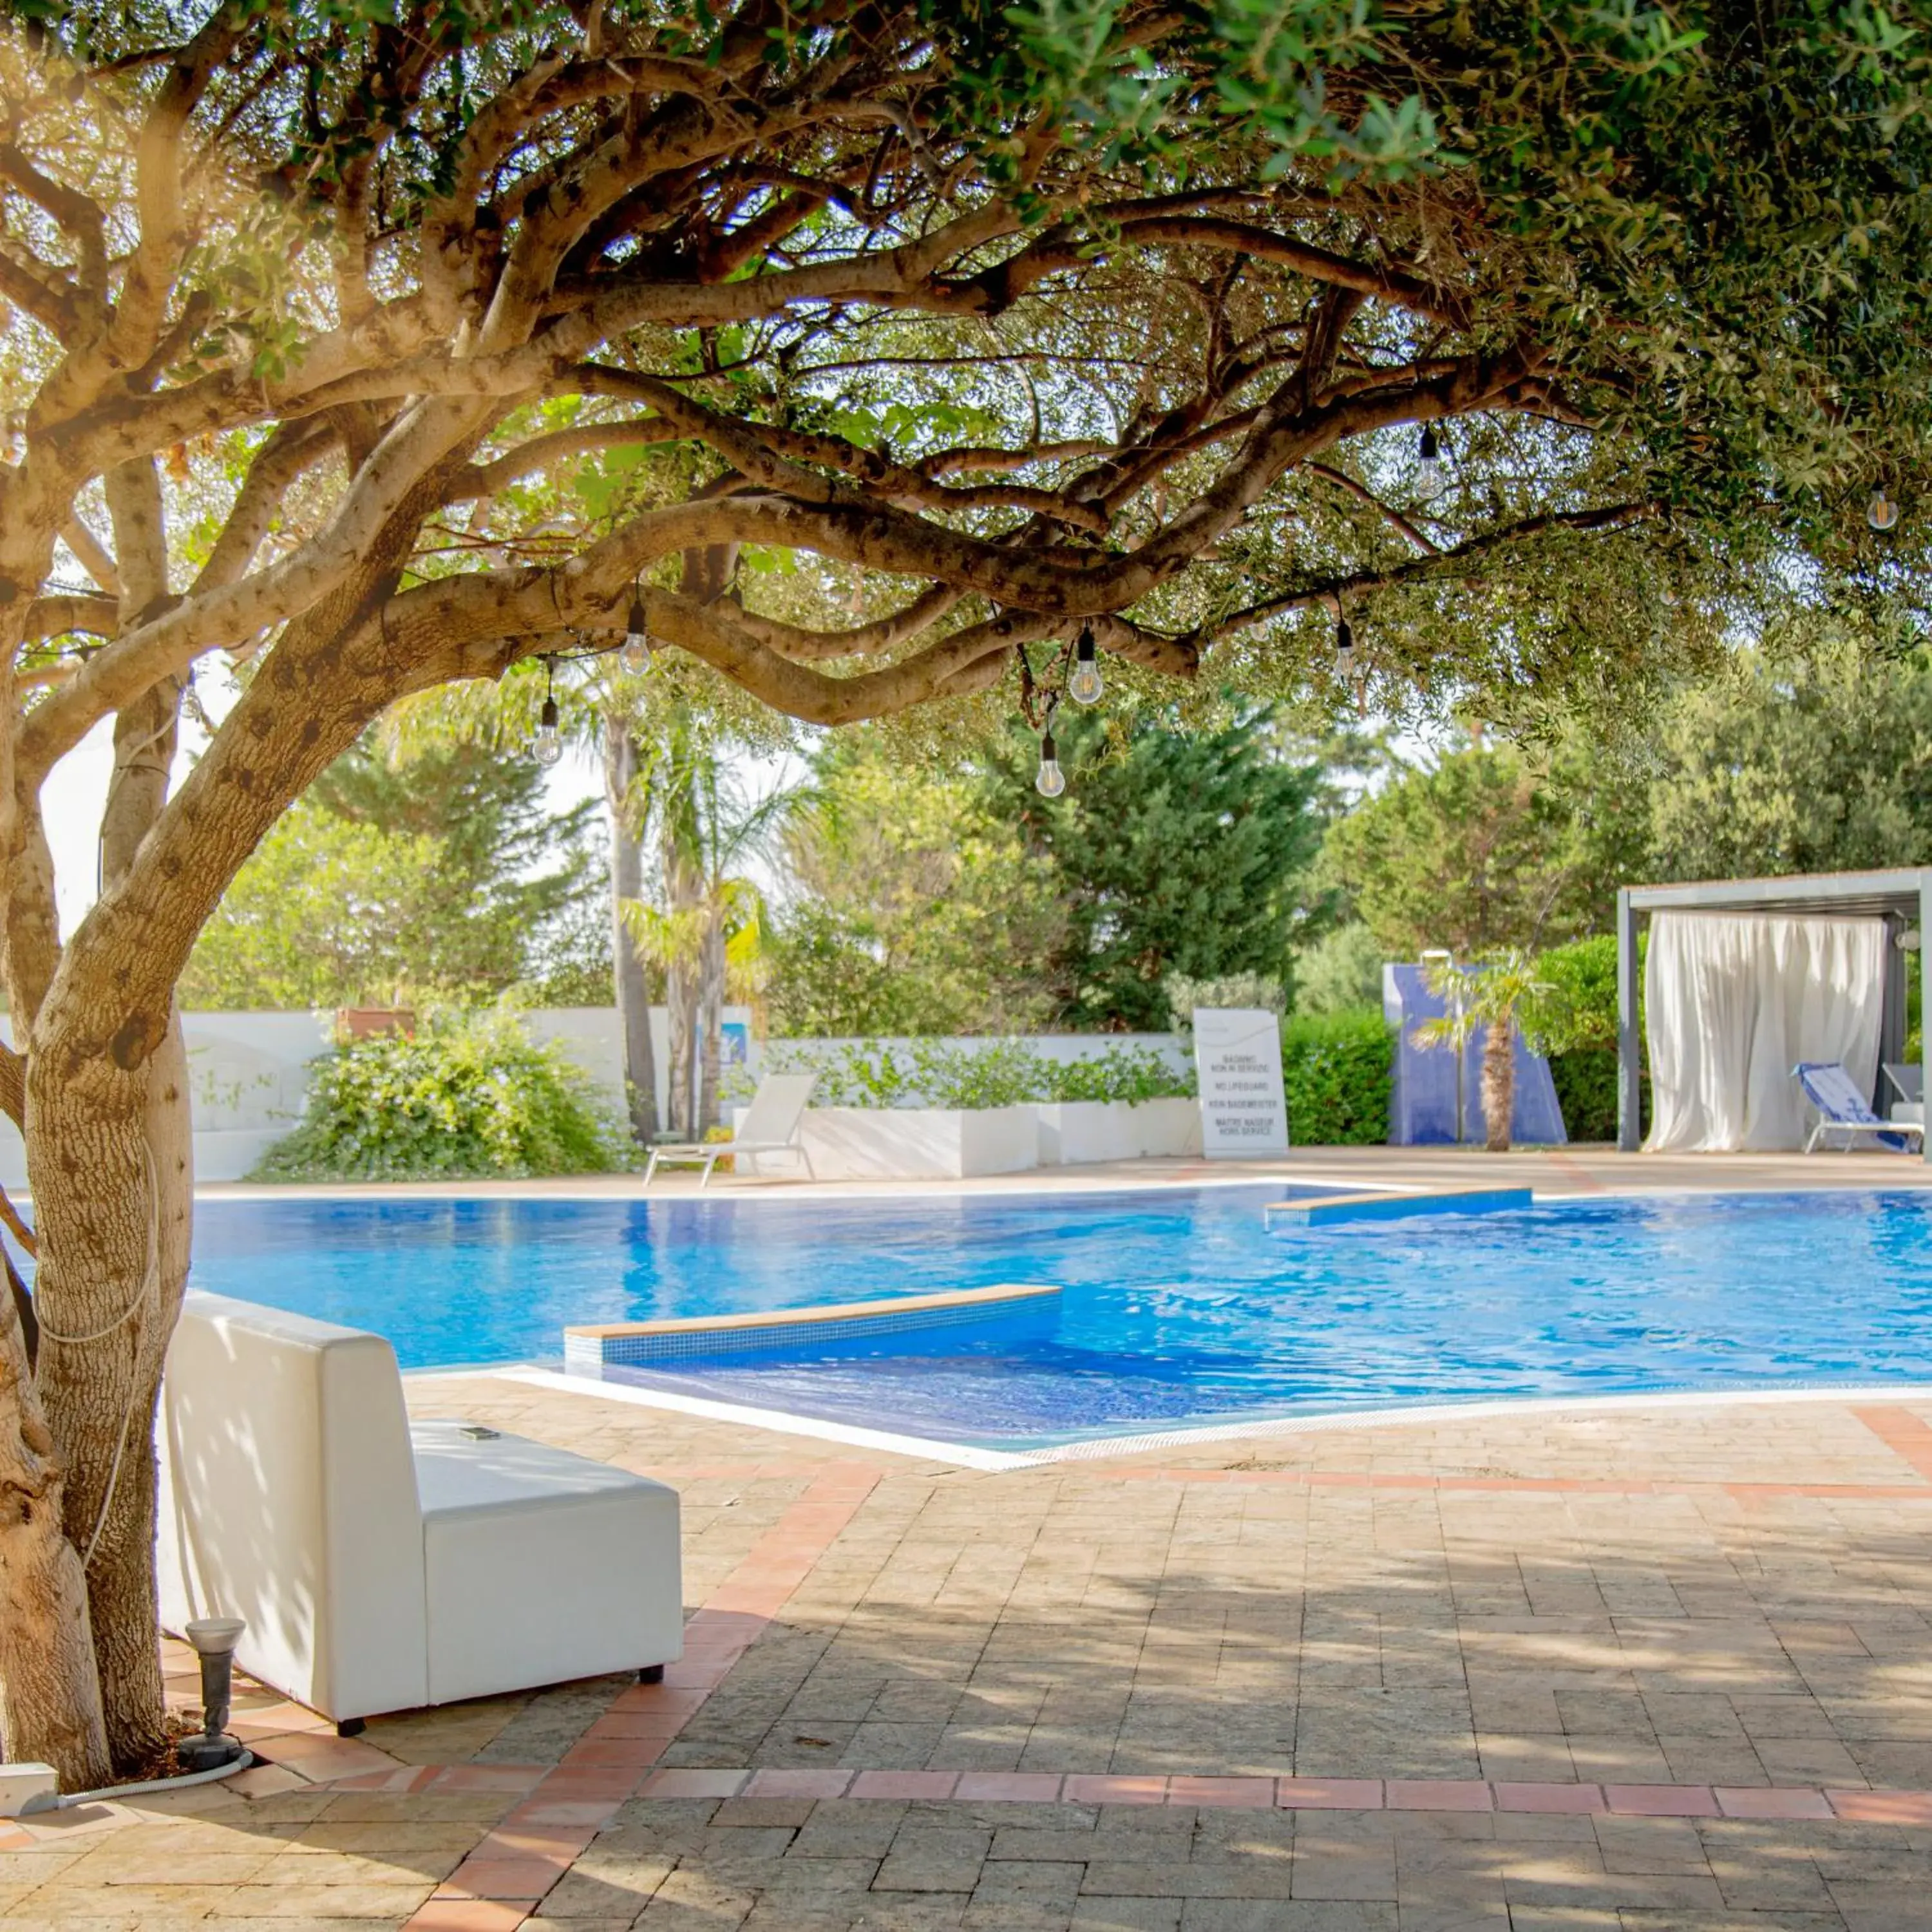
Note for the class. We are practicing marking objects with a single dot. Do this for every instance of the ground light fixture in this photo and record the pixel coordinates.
(215, 1638)
(1881, 512)
(1049, 781)
(1428, 463)
(1083, 683)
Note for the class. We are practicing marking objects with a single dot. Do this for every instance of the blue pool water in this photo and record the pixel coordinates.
(1179, 1306)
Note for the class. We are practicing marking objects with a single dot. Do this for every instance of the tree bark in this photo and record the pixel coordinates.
(51, 1712)
(1499, 1082)
(627, 883)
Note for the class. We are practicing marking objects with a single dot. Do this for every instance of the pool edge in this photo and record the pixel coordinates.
(1102, 1448)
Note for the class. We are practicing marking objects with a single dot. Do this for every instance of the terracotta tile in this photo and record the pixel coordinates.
(1115, 1790)
(1436, 1794)
(517, 1778)
(916, 1784)
(1662, 1800)
(1550, 1797)
(501, 1878)
(614, 1753)
(471, 1915)
(1328, 1794)
(1008, 1786)
(1251, 1792)
(1882, 1808)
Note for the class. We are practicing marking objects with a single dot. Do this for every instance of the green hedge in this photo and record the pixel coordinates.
(470, 1094)
(1338, 1068)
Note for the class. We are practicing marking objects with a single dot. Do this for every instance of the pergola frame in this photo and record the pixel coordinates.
(1902, 897)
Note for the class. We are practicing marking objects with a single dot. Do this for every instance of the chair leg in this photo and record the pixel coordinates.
(650, 1169)
(710, 1162)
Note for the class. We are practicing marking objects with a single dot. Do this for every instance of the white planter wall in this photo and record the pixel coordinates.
(1170, 1128)
(917, 1143)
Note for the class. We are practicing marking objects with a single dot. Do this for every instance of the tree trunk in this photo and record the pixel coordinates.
(627, 883)
(1499, 1082)
(51, 1714)
(710, 1016)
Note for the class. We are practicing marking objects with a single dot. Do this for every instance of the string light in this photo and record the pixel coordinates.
(1428, 465)
(1345, 648)
(1084, 683)
(1049, 781)
(635, 654)
(549, 747)
(1881, 512)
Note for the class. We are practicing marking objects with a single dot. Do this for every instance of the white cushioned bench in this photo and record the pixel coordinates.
(381, 1564)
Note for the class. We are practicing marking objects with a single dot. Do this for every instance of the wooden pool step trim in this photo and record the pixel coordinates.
(1383, 1205)
(589, 1345)
(838, 1311)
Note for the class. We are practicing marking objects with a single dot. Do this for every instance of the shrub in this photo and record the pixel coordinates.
(1580, 1009)
(1577, 1026)
(1134, 1074)
(469, 1094)
(1338, 1068)
(1000, 1073)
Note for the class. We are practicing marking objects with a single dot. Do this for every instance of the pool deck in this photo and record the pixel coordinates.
(1666, 1668)
(1552, 1170)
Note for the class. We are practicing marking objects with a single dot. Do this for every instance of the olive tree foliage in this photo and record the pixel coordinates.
(998, 319)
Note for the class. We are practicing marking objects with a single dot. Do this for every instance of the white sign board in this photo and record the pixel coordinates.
(1238, 1056)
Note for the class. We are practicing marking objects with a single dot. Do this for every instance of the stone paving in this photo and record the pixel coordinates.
(1661, 1668)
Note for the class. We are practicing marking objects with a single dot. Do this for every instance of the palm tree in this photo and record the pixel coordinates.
(708, 922)
(1496, 993)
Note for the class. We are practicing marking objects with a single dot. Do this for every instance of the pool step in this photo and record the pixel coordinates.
(588, 1347)
(1329, 1209)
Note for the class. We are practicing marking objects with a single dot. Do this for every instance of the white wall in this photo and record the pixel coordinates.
(248, 1075)
(249, 1071)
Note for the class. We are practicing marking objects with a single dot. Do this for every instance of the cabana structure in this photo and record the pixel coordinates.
(1819, 941)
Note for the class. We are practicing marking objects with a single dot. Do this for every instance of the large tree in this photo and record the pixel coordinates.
(1173, 852)
(302, 293)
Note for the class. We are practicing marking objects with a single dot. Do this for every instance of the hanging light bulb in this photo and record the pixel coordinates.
(549, 743)
(1881, 512)
(1345, 650)
(635, 654)
(1429, 465)
(549, 746)
(1050, 780)
(1084, 684)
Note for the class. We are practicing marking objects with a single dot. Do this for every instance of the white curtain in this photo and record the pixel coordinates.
(1735, 1001)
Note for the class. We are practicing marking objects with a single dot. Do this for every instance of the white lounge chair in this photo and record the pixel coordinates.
(773, 1123)
(384, 1564)
(1843, 1109)
(1907, 1080)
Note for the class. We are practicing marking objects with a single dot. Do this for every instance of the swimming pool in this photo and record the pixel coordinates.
(1180, 1307)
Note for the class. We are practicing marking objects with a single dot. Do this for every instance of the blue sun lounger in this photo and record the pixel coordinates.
(1843, 1109)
